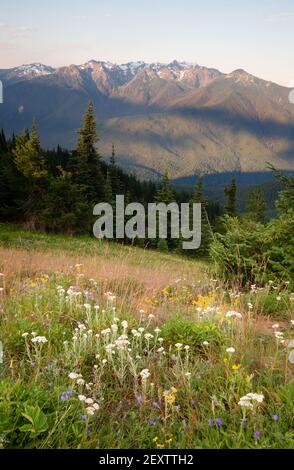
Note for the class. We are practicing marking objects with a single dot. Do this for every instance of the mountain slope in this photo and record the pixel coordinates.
(181, 116)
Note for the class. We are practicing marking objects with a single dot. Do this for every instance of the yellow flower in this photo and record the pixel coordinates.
(236, 366)
(160, 446)
(174, 390)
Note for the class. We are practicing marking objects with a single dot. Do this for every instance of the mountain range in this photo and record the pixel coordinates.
(179, 116)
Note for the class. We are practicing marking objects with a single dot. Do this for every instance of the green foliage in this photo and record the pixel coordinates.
(38, 423)
(231, 193)
(181, 330)
(28, 155)
(256, 206)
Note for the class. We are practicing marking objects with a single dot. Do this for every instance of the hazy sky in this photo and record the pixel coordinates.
(256, 35)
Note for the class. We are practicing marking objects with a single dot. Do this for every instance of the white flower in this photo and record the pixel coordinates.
(233, 314)
(82, 398)
(187, 348)
(89, 401)
(145, 374)
(104, 362)
(73, 376)
(279, 297)
(90, 411)
(24, 335)
(188, 375)
(106, 332)
(148, 336)
(247, 400)
(141, 330)
(39, 339)
(160, 350)
(157, 330)
(205, 343)
(275, 326)
(178, 345)
(96, 406)
(231, 350)
(291, 343)
(292, 322)
(80, 382)
(151, 316)
(125, 325)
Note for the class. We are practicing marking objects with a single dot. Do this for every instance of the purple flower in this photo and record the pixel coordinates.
(244, 421)
(219, 422)
(84, 418)
(276, 417)
(210, 422)
(69, 394)
(257, 434)
(139, 399)
(156, 405)
(63, 397)
(152, 422)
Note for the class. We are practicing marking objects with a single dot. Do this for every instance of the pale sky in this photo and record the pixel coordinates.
(256, 35)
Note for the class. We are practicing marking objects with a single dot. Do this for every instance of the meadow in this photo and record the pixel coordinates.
(105, 346)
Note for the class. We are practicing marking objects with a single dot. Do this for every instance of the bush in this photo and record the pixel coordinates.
(191, 333)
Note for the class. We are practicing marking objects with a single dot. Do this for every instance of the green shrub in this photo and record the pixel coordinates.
(191, 333)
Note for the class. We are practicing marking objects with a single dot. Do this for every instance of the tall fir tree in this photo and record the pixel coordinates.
(88, 166)
(256, 206)
(231, 194)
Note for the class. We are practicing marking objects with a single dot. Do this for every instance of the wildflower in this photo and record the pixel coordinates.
(279, 298)
(139, 399)
(275, 326)
(187, 348)
(73, 376)
(141, 330)
(236, 366)
(248, 400)
(155, 405)
(106, 332)
(148, 336)
(218, 422)
(205, 343)
(244, 421)
(24, 335)
(179, 346)
(257, 434)
(188, 375)
(90, 411)
(89, 401)
(230, 350)
(292, 322)
(233, 314)
(84, 418)
(151, 316)
(250, 306)
(64, 397)
(125, 325)
(152, 422)
(145, 374)
(157, 330)
(210, 422)
(82, 397)
(39, 339)
(276, 417)
(160, 350)
(80, 382)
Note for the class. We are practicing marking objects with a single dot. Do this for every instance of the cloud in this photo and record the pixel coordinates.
(282, 15)
(12, 32)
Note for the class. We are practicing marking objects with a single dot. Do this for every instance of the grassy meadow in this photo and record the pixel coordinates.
(108, 346)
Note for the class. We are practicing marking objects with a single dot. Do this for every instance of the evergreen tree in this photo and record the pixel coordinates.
(206, 231)
(88, 168)
(256, 206)
(165, 194)
(231, 193)
(28, 154)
